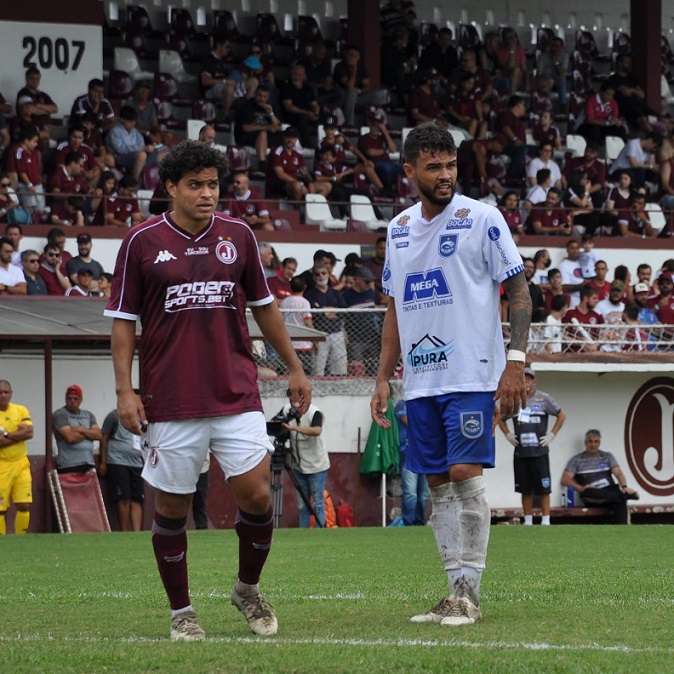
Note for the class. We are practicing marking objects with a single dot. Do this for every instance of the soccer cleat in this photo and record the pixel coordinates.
(185, 627)
(463, 612)
(442, 609)
(258, 612)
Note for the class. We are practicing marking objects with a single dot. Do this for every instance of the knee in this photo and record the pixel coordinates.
(257, 501)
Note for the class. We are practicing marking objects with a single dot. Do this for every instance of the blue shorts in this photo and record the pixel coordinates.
(448, 429)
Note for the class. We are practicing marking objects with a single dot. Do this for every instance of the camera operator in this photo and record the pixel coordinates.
(310, 461)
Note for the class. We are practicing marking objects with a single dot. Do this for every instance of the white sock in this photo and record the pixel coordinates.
(445, 524)
(528, 520)
(246, 590)
(181, 611)
(545, 520)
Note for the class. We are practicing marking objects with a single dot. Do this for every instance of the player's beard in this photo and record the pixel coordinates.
(430, 196)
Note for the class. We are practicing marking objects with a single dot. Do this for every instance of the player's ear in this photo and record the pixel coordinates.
(409, 171)
(171, 189)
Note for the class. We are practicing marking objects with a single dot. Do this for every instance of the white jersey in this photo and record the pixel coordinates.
(444, 277)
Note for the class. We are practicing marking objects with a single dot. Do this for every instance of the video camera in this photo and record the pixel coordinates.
(275, 426)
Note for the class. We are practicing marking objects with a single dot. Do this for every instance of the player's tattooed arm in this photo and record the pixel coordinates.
(519, 300)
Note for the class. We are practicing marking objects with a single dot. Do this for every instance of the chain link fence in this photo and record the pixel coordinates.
(346, 361)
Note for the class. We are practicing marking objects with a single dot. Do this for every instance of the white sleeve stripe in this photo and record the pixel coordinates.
(260, 303)
(120, 314)
(512, 272)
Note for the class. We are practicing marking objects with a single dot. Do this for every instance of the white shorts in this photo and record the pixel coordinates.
(175, 451)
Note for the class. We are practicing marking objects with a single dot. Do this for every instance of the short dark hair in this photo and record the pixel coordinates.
(542, 175)
(77, 127)
(554, 272)
(72, 158)
(632, 311)
(427, 137)
(558, 302)
(128, 183)
(191, 156)
(297, 284)
(514, 100)
(6, 240)
(107, 276)
(288, 260)
(16, 225)
(128, 113)
(96, 82)
(27, 132)
(33, 71)
(55, 232)
(588, 291)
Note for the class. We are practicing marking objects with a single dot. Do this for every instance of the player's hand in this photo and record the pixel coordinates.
(512, 439)
(512, 391)
(379, 405)
(547, 439)
(300, 391)
(131, 412)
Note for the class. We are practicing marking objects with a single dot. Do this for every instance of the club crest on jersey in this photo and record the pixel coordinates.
(460, 220)
(386, 275)
(448, 245)
(226, 252)
(430, 353)
(472, 424)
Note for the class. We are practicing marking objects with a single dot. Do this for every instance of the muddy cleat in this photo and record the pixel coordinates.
(441, 610)
(185, 627)
(258, 612)
(463, 612)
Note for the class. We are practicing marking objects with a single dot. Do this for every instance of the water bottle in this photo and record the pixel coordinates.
(567, 497)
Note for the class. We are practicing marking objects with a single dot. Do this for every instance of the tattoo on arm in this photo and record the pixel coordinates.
(520, 310)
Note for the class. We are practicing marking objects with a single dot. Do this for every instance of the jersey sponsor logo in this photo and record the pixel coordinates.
(459, 223)
(426, 289)
(201, 250)
(448, 245)
(400, 232)
(199, 295)
(386, 274)
(402, 244)
(226, 252)
(649, 431)
(462, 213)
(494, 234)
(164, 256)
(430, 353)
(472, 424)
(403, 220)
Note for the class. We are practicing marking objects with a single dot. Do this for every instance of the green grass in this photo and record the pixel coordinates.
(554, 599)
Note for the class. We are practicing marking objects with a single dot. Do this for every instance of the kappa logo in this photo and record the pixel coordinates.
(649, 436)
(164, 256)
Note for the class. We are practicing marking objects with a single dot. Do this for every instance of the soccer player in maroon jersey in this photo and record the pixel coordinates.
(189, 275)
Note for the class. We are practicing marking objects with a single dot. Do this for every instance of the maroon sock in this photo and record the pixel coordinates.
(169, 541)
(255, 533)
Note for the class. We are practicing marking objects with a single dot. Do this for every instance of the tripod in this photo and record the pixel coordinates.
(278, 464)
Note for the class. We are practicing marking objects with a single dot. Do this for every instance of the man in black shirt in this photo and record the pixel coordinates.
(300, 107)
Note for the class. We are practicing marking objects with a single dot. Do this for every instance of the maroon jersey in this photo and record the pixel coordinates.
(425, 102)
(121, 208)
(63, 148)
(190, 292)
(602, 290)
(51, 282)
(291, 163)
(596, 170)
(279, 288)
(21, 160)
(250, 203)
(596, 109)
(591, 318)
(508, 119)
(554, 218)
(340, 149)
(542, 135)
(67, 185)
(83, 105)
(37, 98)
(368, 142)
(513, 219)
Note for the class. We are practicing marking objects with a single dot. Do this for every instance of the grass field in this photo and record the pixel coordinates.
(554, 599)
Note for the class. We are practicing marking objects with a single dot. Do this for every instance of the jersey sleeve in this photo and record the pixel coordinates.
(499, 250)
(127, 290)
(254, 281)
(59, 420)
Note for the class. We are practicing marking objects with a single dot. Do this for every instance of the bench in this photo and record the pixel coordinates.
(639, 514)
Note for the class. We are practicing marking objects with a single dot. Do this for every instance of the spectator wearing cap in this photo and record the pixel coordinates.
(646, 315)
(287, 174)
(440, 55)
(75, 431)
(342, 145)
(423, 103)
(377, 145)
(353, 82)
(299, 103)
(663, 303)
(257, 125)
(241, 84)
(531, 439)
(84, 246)
(635, 223)
(362, 327)
(83, 281)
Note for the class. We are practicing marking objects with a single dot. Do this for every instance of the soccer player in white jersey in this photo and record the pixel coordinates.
(445, 259)
(189, 276)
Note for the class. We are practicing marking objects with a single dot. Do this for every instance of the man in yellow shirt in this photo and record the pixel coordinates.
(15, 478)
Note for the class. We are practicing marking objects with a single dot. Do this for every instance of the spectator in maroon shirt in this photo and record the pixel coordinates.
(69, 189)
(581, 338)
(376, 265)
(663, 304)
(484, 87)
(509, 123)
(248, 204)
(465, 108)
(51, 271)
(513, 61)
(376, 146)
(279, 285)
(91, 171)
(24, 166)
(593, 168)
(473, 160)
(550, 218)
(94, 101)
(122, 209)
(423, 103)
(545, 132)
(39, 105)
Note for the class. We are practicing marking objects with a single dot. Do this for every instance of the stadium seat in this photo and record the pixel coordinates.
(576, 144)
(613, 145)
(138, 20)
(166, 89)
(282, 225)
(144, 198)
(193, 128)
(120, 85)
(238, 158)
(267, 29)
(318, 213)
(428, 33)
(308, 30)
(171, 62)
(181, 23)
(125, 59)
(166, 118)
(361, 209)
(224, 23)
(622, 44)
(468, 36)
(458, 135)
(150, 177)
(656, 216)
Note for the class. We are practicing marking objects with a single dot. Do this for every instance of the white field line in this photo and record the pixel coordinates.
(368, 643)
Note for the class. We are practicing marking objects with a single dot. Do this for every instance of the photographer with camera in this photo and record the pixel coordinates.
(309, 456)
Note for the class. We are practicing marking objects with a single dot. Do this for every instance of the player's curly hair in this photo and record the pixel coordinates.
(191, 156)
(427, 137)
